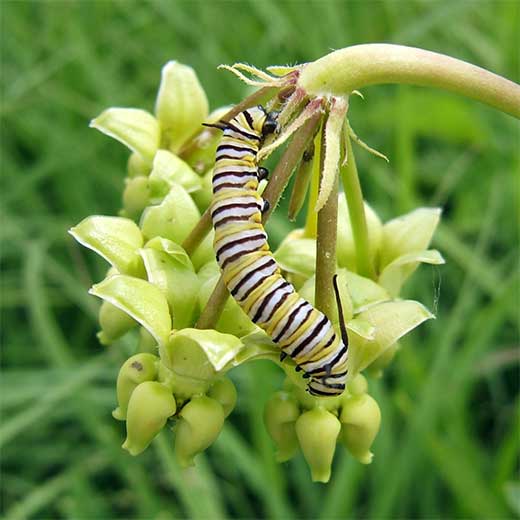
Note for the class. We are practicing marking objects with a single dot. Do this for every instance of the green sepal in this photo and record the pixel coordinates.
(169, 268)
(141, 300)
(150, 405)
(135, 128)
(200, 422)
(135, 370)
(173, 219)
(116, 239)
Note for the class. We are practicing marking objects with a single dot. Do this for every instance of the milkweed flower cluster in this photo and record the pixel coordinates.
(160, 286)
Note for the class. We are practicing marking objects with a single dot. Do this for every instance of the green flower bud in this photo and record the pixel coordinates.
(195, 356)
(205, 252)
(174, 218)
(233, 320)
(116, 239)
(136, 166)
(317, 432)
(346, 251)
(200, 153)
(135, 370)
(181, 106)
(297, 256)
(224, 391)
(114, 323)
(143, 301)
(135, 128)
(151, 403)
(376, 368)
(280, 414)
(360, 418)
(357, 385)
(204, 194)
(136, 197)
(147, 343)
(200, 423)
(168, 169)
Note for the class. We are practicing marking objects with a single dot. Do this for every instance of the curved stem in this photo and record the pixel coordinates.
(352, 68)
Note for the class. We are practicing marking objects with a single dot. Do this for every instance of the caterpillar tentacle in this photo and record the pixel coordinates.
(250, 271)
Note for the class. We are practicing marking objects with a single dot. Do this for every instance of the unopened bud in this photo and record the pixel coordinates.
(360, 419)
(150, 406)
(224, 391)
(200, 423)
(136, 166)
(317, 432)
(181, 106)
(136, 197)
(114, 323)
(135, 370)
(280, 415)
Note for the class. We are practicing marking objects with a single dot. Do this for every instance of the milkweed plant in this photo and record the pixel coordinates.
(164, 280)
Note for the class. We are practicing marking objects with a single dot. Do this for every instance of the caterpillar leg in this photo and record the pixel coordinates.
(265, 206)
(263, 173)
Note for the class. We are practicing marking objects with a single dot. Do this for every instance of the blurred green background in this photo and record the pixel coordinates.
(449, 441)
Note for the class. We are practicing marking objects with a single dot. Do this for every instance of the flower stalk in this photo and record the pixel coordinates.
(356, 209)
(343, 71)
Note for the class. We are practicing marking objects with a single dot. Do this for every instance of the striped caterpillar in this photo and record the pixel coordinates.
(251, 273)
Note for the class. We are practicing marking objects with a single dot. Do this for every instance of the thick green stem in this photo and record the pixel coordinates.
(326, 253)
(277, 183)
(352, 68)
(356, 210)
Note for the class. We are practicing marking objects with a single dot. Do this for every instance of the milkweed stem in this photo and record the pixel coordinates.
(345, 70)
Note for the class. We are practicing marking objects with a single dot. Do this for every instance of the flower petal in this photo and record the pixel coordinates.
(399, 270)
(408, 233)
(116, 239)
(141, 300)
(391, 321)
(135, 128)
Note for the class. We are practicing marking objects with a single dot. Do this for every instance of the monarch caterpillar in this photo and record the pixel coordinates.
(250, 271)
